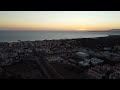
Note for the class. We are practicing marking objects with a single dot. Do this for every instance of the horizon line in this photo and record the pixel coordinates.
(53, 30)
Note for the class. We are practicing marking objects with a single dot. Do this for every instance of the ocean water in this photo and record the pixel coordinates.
(11, 36)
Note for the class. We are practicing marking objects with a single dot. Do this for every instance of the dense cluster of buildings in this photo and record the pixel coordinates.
(98, 64)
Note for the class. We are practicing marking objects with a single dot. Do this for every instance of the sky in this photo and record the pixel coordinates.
(59, 20)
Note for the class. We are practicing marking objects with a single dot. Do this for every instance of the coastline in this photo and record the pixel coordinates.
(79, 56)
(56, 39)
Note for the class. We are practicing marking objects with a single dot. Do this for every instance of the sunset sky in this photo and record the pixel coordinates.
(59, 20)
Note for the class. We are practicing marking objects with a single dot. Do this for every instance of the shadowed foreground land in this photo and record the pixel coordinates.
(86, 58)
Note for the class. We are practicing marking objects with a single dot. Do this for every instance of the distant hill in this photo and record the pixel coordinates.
(114, 30)
(109, 32)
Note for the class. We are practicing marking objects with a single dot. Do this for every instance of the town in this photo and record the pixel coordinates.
(85, 58)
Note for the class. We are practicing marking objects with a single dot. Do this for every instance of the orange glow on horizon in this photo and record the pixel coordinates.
(52, 26)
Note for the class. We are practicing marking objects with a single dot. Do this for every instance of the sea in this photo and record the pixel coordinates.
(13, 36)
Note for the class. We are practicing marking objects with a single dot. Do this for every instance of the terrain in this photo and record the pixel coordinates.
(84, 58)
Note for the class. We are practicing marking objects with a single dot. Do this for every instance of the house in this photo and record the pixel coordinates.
(84, 63)
(96, 61)
(82, 55)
